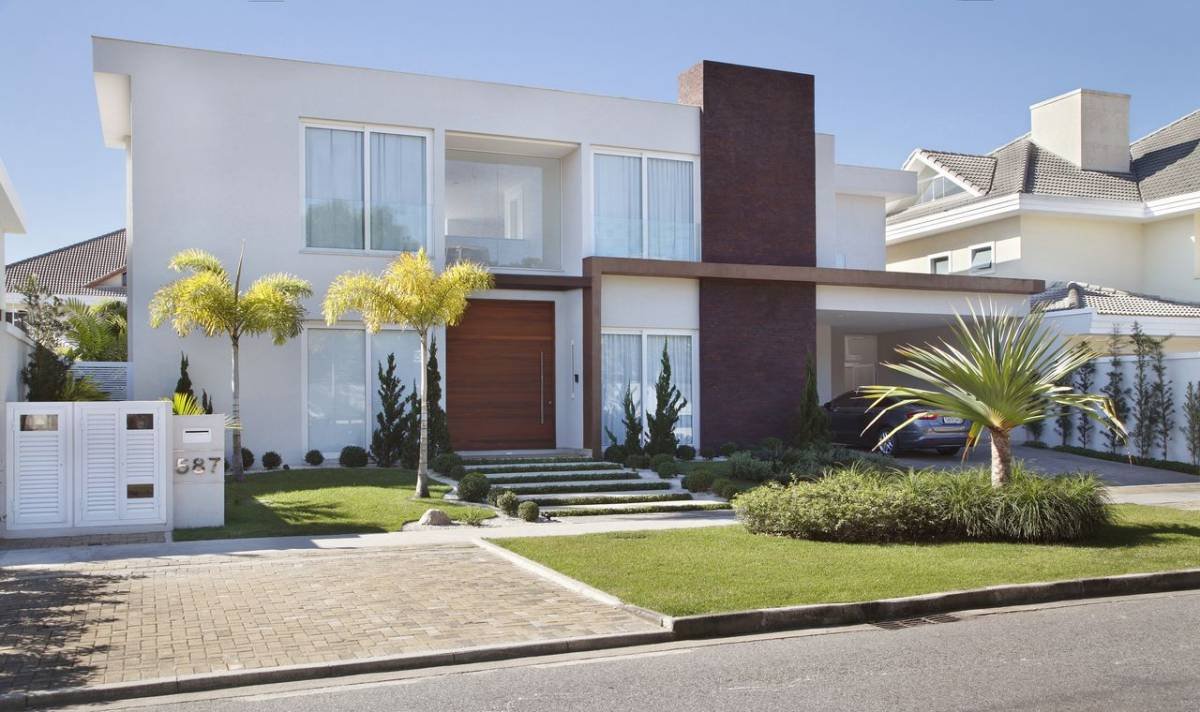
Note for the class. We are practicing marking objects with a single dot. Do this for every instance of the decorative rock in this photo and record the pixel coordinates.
(435, 518)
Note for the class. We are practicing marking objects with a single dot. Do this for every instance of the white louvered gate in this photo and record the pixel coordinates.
(87, 466)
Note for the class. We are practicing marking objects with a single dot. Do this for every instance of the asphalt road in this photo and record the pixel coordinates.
(1140, 653)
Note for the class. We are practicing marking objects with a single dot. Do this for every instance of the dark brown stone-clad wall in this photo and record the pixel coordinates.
(757, 182)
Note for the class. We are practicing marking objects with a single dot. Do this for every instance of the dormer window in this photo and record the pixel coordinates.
(935, 186)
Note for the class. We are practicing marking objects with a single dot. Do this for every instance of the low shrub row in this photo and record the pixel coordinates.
(861, 504)
(588, 477)
(648, 509)
(573, 501)
(591, 487)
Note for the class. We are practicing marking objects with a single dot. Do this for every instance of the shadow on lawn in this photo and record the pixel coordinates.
(1124, 533)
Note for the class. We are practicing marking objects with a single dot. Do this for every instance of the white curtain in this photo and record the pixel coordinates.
(620, 369)
(398, 212)
(679, 352)
(337, 389)
(333, 190)
(406, 346)
(618, 198)
(671, 221)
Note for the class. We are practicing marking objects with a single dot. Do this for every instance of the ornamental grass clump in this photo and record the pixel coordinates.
(859, 503)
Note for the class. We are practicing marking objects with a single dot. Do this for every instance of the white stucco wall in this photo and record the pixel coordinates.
(914, 255)
(1171, 263)
(649, 303)
(215, 158)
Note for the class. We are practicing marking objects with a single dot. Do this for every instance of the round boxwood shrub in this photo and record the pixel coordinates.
(699, 480)
(685, 452)
(528, 511)
(638, 462)
(660, 459)
(728, 449)
(743, 466)
(473, 487)
(352, 456)
(314, 457)
(724, 488)
(668, 469)
(615, 453)
(271, 460)
(507, 502)
(442, 464)
(707, 453)
(247, 458)
(457, 472)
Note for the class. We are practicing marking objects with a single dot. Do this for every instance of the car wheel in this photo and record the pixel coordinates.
(888, 448)
(948, 451)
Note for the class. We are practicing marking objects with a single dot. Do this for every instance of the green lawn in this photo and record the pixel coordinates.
(322, 501)
(687, 571)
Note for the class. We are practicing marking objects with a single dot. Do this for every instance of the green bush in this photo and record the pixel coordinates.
(442, 464)
(638, 462)
(862, 504)
(457, 472)
(698, 480)
(314, 457)
(659, 459)
(725, 488)
(473, 487)
(247, 458)
(507, 502)
(473, 516)
(685, 452)
(728, 449)
(528, 511)
(743, 466)
(271, 460)
(707, 453)
(667, 469)
(615, 453)
(352, 456)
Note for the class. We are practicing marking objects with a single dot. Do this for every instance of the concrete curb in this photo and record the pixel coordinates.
(837, 614)
(291, 673)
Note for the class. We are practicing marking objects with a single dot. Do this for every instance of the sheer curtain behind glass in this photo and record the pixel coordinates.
(406, 346)
(337, 389)
(398, 212)
(679, 351)
(620, 369)
(333, 191)
(618, 198)
(671, 223)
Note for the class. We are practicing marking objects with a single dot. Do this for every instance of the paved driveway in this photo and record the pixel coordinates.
(139, 619)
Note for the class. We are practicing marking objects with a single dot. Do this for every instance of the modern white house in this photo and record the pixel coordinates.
(720, 228)
(1110, 224)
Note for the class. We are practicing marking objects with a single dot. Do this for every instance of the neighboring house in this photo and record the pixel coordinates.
(91, 271)
(1110, 224)
(14, 345)
(720, 228)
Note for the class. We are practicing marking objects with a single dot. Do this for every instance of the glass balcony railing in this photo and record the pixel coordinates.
(503, 252)
(651, 239)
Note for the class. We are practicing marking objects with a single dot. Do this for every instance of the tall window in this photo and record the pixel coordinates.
(341, 213)
(645, 207)
(342, 365)
(624, 358)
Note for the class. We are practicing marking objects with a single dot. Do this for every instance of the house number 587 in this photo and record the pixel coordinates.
(196, 465)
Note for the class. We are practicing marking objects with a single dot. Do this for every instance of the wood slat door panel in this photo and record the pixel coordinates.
(500, 376)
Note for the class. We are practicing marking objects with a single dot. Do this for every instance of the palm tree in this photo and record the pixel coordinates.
(208, 300)
(95, 332)
(1005, 372)
(409, 293)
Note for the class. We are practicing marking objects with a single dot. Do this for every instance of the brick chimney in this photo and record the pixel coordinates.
(1087, 127)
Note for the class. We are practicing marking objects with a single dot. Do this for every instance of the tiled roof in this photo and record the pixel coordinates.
(1163, 164)
(70, 270)
(1062, 296)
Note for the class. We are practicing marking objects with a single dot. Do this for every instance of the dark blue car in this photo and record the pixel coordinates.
(850, 416)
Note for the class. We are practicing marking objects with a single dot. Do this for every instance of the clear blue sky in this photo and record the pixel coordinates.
(890, 75)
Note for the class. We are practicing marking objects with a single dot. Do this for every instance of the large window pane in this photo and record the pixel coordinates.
(620, 371)
(333, 191)
(679, 353)
(337, 389)
(618, 206)
(671, 223)
(503, 210)
(406, 346)
(398, 211)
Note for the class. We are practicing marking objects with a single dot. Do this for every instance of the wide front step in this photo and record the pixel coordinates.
(573, 476)
(563, 499)
(634, 508)
(535, 466)
(562, 487)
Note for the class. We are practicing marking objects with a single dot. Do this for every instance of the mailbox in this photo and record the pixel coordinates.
(198, 464)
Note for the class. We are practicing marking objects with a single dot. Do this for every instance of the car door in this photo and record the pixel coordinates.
(845, 416)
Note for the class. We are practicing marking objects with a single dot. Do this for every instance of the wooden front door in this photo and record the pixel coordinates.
(500, 376)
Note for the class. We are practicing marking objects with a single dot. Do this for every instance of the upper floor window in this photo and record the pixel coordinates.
(365, 189)
(939, 265)
(936, 187)
(981, 258)
(645, 207)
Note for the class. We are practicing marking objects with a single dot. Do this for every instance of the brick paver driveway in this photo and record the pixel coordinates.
(138, 619)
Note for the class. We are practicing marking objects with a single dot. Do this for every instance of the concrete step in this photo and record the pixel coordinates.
(588, 487)
(468, 465)
(566, 474)
(683, 504)
(616, 495)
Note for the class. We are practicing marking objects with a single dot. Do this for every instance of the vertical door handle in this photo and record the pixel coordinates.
(542, 386)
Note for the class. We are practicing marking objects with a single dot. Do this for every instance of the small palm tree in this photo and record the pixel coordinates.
(409, 293)
(208, 300)
(1005, 372)
(95, 332)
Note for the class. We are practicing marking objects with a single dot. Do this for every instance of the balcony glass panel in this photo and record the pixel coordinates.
(503, 210)
(618, 199)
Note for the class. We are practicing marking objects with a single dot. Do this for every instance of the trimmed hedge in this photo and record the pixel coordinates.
(725, 488)
(668, 469)
(314, 457)
(685, 452)
(271, 460)
(529, 511)
(352, 456)
(587, 477)
(585, 487)
(857, 504)
(649, 509)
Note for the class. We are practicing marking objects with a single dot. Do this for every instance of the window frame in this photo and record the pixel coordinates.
(972, 249)
(643, 162)
(366, 129)
(643, 333)
(368, 374)
(949, 257)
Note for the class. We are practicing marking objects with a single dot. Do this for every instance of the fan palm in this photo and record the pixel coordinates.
(409, 293)
(1004, 372)
(208, 300)
(95, 332)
